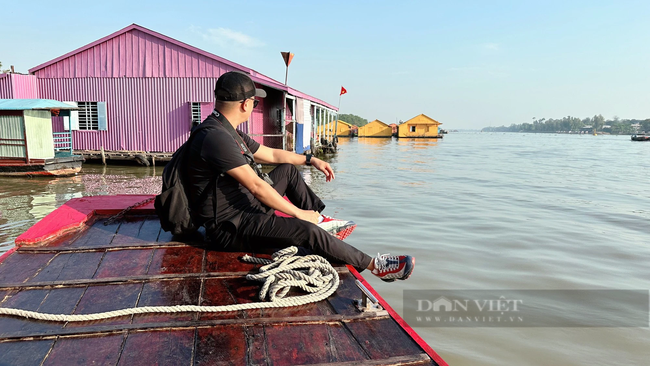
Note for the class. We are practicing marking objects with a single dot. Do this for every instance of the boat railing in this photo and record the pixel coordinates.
(62, 141)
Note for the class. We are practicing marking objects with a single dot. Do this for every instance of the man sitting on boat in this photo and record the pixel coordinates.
(246, 199)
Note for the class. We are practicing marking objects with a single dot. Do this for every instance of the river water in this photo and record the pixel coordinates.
(484, 211)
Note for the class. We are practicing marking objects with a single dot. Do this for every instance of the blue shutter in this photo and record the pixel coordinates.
(101, 116)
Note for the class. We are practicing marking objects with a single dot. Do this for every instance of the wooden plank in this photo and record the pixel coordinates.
(108, 280)
(166, 347)
(168, 293)
(309, 344)
(114, 280)
(61, 301)
(90, 329)
(314, 309)
(256, 347)
(165, 236)
(70, 267)
(101, 248)
(26, 300)
(19, 267)
(103, 350)
(383, 338)
(98, 299)
(27, 353)
(216, 293)
(228, 262)
(343, 299)
(127, 234)
(177, 260)
(125, 263)
(221, 345)
(97, 235)
(150, 229)
(421, 359)
(4, 294)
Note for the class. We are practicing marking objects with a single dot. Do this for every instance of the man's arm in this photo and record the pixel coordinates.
(267, 195)
(267, 155)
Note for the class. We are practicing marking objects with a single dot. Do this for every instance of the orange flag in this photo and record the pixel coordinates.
(343, 91)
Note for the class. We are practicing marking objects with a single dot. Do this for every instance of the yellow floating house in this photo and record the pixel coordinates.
(343, 129)
(420, 126)
(375, 128)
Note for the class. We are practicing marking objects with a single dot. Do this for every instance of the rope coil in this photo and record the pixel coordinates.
(312, 273)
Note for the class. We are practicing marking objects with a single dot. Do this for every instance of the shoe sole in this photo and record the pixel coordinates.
(342, 234)
(409, 271)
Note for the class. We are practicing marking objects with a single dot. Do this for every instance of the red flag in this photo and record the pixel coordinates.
(343, 91)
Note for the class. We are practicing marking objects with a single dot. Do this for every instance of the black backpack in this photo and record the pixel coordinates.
(172, 205)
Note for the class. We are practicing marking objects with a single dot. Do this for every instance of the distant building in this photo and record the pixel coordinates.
(139, 90)
(420, 126)
(375, 128)
(394, 128)
(27, 144)
(343, 129)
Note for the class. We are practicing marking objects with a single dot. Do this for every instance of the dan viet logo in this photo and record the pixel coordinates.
(501, 310)
(527, 308)
(444, 304)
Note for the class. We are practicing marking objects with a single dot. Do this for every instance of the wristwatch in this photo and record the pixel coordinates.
(308, 159)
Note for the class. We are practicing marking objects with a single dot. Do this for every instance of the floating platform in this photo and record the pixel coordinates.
(71, 263)
(57, 166)
(142, 158)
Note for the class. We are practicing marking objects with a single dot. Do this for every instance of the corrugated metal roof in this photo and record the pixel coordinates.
(28, 104)
(140, 52)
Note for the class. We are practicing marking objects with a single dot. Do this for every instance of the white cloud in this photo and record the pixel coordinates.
(491, 46)
(227, 38)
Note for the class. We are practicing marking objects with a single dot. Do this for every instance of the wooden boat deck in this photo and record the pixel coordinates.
(133, 263)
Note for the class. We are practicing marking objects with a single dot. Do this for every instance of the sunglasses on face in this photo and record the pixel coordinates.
(255, 102)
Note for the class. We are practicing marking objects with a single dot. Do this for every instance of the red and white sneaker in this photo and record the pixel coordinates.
(393, 267)
(338, 228)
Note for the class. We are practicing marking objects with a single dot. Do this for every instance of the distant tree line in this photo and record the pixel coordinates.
(353, 119)
(567, 124)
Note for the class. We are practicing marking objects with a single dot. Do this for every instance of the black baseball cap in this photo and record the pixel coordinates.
(235, 86)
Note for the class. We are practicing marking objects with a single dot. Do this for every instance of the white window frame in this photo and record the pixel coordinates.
(88, 116)
(195, 112)
(412, 128)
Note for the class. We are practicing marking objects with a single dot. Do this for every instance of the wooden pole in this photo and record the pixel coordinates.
(103, 155)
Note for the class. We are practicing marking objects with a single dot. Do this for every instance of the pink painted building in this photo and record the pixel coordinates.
(139, 90)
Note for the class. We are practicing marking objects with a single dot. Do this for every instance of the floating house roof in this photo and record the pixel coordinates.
(30, 104)
(119, 54)
(422, 119)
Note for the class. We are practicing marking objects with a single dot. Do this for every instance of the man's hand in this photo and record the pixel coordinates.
(311, 216)
(323, 167)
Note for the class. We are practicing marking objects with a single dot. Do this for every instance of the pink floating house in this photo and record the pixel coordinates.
(138, 91)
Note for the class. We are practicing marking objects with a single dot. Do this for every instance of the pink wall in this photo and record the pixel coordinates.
(143, 114)
(18, 86)
(6, 90)
(25, 86)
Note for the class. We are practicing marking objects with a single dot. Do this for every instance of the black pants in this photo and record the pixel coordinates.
(258, 231)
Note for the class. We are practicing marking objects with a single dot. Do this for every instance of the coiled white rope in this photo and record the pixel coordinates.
(312, 273)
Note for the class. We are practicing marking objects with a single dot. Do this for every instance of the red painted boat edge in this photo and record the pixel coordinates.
(407, 328)
(8, 253)
(75, 213)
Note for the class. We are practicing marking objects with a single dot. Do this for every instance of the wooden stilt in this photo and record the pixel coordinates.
(103, 155)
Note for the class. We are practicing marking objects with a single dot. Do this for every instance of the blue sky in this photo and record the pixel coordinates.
(468, 64)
